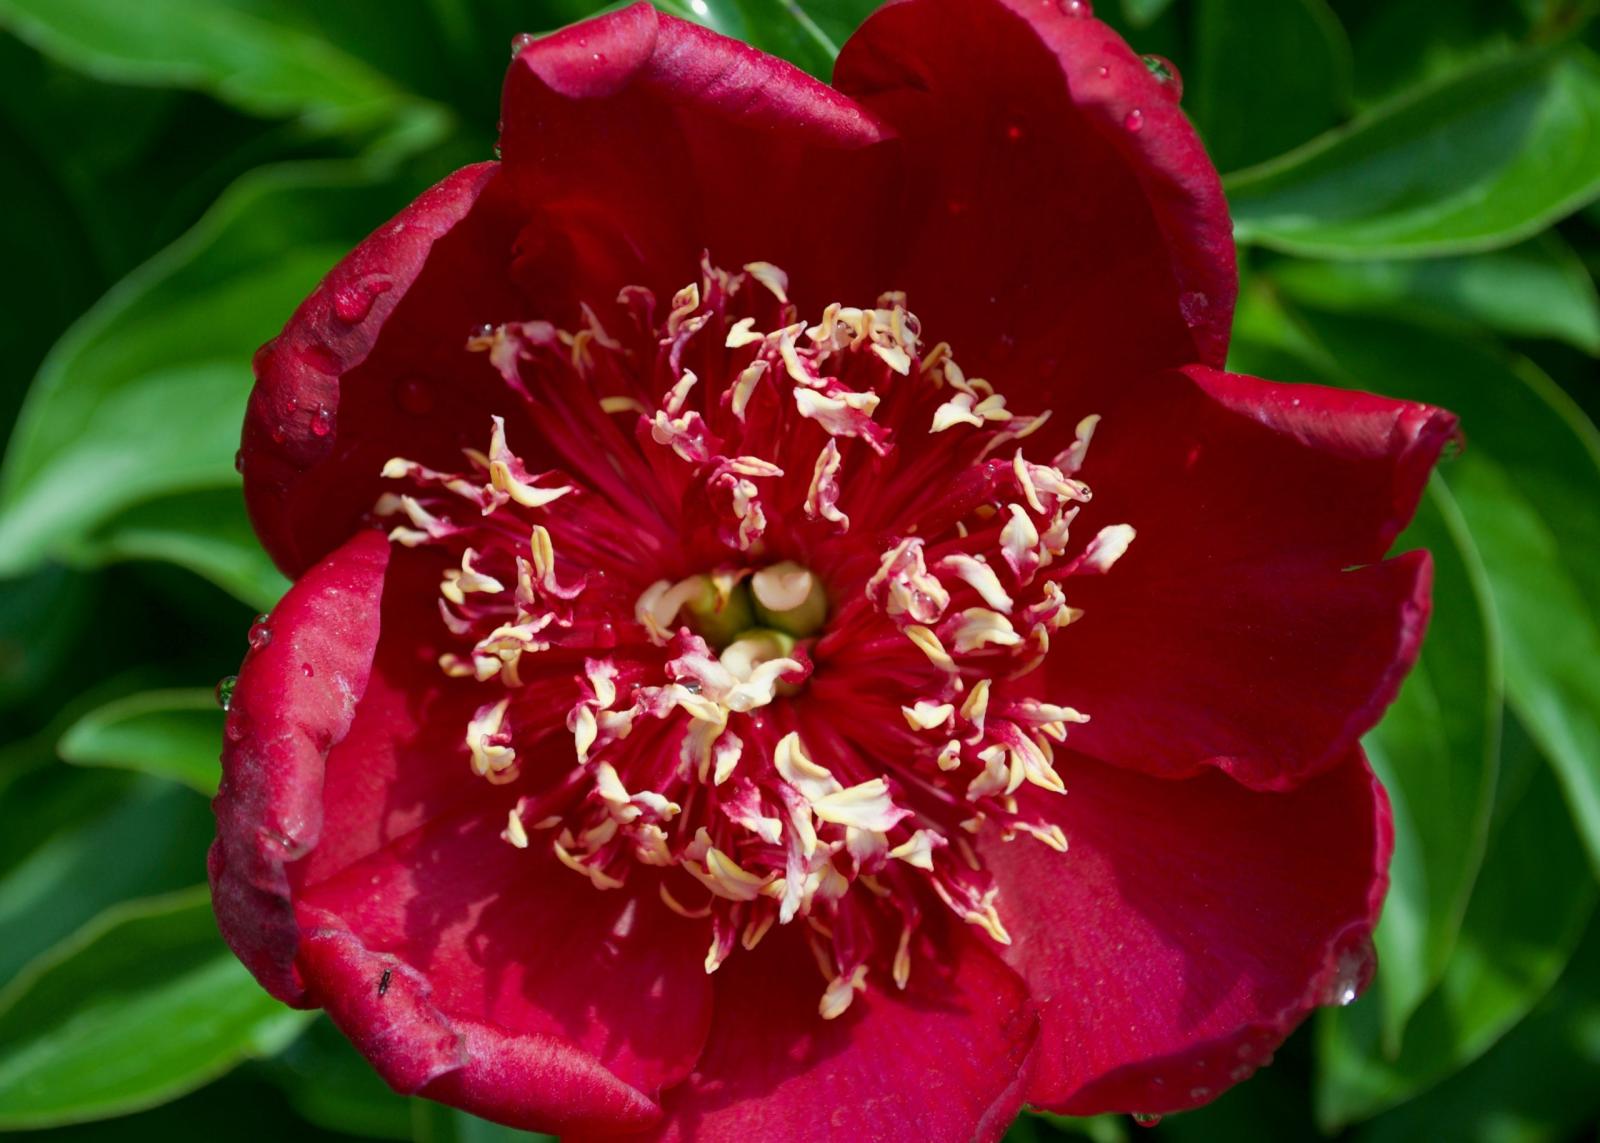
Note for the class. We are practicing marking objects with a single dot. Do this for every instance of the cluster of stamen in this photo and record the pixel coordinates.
(762, 629)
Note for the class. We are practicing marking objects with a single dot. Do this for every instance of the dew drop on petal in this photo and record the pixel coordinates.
(1134, 120)
(1103, 71)
(1194, 306)
(414, 396)
(238, 460)
(322, 359)
(321, 423)
(1166, 74)
(1145, 1119)
(1350, 970)
(224, 691)
(520, 41)
(353, 302)
(1075, 7)
(308, 670)
(260, 632)
(279, 434)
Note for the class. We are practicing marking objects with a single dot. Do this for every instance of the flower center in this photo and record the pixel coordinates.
(764, 633)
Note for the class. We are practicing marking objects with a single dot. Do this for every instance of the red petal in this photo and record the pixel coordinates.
(533, 1081)
(374, 364)
(637, 141)
(1231, 634)
(1044, 238)
(1192, 926)
(945, 1060)
(282, 721)
(508, 937)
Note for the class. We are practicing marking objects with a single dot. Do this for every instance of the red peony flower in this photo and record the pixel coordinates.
(795, 636)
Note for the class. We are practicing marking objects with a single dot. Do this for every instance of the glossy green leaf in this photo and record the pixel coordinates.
(1294, 85)
(168, 734)
(435, 1123)
(334, 1086)
(229, 49)
(1528, 484)
(1537, 289)
(1437, 751)
(99, 434)
(784, 28)
(43, 616)
(1532, 902)
(1481, 161)
(1402, 44)
(1537, 1085)
(1141, 13)
(140, 1006)
(205, 531)
(79, 841)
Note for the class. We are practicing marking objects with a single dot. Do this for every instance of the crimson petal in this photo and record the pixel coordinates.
(1240, 629)
(374, 364)
(637, 141)
(1062, 221)
(1193, 925)
(947, 1059)
(359, 866)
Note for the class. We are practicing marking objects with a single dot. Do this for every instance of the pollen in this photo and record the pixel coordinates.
(751, 612)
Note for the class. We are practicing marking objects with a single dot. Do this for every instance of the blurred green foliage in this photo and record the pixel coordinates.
(1412, 185)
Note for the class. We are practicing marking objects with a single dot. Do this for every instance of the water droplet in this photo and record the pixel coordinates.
(308, 670)
(1194, 306)
(224, 691)
(484, 330)
(322, 359)
(1104, 71)
(290, 405)
(414, 396)
(499, 153)
(599, 57)
(1145, 1119)
(353, 302)
(1075, 7)
(1014, 132)
(321, 423)
(1166, 73)
(520, 41)
(279, 434)
(238, 460)
(260, 633)
(1134, 120)
(1350, 971)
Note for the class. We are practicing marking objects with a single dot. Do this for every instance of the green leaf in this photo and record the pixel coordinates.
(1535, 1086)
(435, 1123)
(1295, 85)
(229, 49)
(1400, 44)
(332, 1085)
(205, 531)
(1537, 289)
(140, 1006)
(1437, 751)
(1143, 13)
(1528, 485)
(782, 27)
(98, 434)
(169, 734)
(1481, 161)
(1531, 905)
(78, 841)
(43, 617)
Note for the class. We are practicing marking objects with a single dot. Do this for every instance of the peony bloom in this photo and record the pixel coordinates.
(795, 635)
